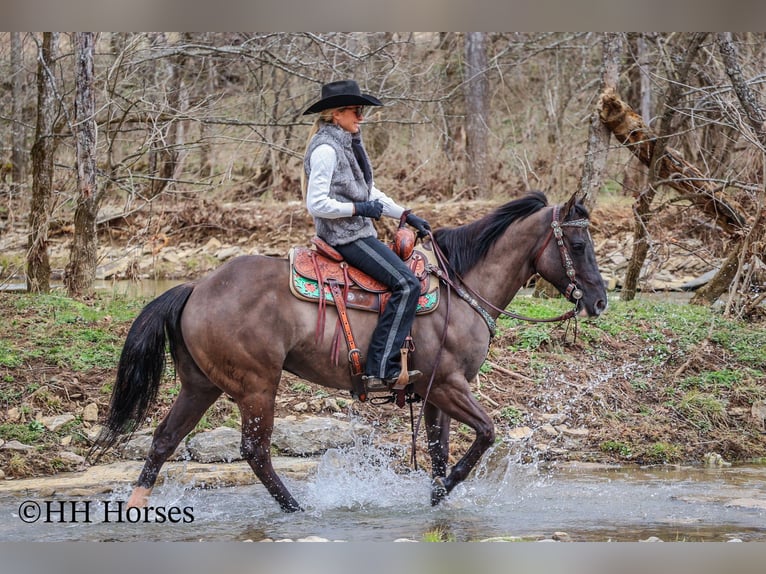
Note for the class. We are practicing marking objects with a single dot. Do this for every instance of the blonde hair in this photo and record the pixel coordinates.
(324, 117)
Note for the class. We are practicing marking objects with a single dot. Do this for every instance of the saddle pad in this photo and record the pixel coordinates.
(371, 296)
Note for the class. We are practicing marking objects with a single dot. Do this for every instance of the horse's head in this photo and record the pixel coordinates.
(567, 259)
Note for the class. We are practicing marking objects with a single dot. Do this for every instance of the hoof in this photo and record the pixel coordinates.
(438, 491)
(139, 498)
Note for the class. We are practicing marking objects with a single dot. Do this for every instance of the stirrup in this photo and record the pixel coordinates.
(374, 384)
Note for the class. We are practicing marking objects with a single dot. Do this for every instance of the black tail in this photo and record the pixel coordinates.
(142, 364)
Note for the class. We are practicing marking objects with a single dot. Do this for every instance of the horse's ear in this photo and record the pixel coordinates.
(568, 207)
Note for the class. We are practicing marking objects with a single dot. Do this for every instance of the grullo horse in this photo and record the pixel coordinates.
(238, 328)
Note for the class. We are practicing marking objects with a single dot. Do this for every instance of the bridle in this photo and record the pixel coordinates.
(573, 293)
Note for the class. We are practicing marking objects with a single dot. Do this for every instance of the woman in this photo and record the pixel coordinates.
(342, 198)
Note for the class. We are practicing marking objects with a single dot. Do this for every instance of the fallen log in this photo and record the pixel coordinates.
(629, 129)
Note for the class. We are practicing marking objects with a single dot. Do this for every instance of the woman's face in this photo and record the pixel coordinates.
(348, 118)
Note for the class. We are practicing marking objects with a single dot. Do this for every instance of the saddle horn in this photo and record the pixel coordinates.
(404, 239)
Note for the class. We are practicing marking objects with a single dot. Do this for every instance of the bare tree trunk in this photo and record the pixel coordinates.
(634, 176)
(43, 150)
(749, 245)
(598, 134)
(477, 109)
(18, 162)
(81, 270)
(643, 203)
(163, 157)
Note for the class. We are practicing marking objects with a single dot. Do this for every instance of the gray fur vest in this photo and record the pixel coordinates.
(347, 185)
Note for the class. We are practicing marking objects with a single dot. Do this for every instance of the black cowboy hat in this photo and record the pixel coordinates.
(342, 93)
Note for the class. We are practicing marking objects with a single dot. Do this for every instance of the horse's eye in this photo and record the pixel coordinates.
(578, 246)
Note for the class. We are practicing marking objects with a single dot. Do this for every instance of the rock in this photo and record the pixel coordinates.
(312, 539)
(218, 445)
(301, 407)
(713, 459)
(66, 441)
(562, 537)
(652, 539)
(554, 418)
(170, 256)
(2, 474)
(578, 432)
(519, 433)
(314, 435)
(55, 422)
(92, 433)
(227, 253)
(119, 475)
(138, 447)
(90, 413)
(212, 245)
(758, 412)
(13, 415)
(72, 457)
(17, 446)
(331, 404)
(754, 503)
(549, 430)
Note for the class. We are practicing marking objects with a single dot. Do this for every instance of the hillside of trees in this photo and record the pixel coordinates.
(97, 126)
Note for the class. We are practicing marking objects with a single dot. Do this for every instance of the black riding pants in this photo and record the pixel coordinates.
(377, 260)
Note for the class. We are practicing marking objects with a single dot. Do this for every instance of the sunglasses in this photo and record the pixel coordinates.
(358, 110)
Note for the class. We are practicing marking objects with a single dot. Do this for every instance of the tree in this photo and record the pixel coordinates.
(81, 270)
(750, 245)
(18, 167)
(476, 111)
(645, 197)
(43, 151)
(598, 134)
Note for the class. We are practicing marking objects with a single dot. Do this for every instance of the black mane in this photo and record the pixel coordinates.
(466, 245)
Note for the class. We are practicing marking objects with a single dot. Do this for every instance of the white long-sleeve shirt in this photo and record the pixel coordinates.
(318, 200)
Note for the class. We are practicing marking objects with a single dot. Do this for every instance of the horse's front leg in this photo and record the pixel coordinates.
(437, 431)
(455, 399)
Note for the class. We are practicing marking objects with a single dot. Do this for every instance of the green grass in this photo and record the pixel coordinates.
(666, 330)
(662, 452)
(26, 433)
(616, 447)
(65, 332)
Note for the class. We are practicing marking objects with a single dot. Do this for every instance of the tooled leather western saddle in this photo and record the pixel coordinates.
(319, 274)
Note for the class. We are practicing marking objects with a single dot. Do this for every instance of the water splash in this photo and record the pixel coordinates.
(364, 476)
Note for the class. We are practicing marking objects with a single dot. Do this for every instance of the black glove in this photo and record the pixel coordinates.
(372, 209)
(418, 223)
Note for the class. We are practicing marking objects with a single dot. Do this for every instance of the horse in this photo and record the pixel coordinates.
(237, 329)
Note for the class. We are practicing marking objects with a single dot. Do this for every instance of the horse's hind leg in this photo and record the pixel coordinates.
(257, 410)
(196, 395)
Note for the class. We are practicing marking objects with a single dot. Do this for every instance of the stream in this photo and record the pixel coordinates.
(355, 495)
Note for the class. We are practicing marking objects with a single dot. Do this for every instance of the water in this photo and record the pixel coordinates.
(355, 495)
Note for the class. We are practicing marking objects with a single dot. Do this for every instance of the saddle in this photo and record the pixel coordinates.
(321, 263)
(319, 274)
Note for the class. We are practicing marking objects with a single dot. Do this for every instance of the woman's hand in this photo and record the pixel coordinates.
(418, 223)
(372, 209)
